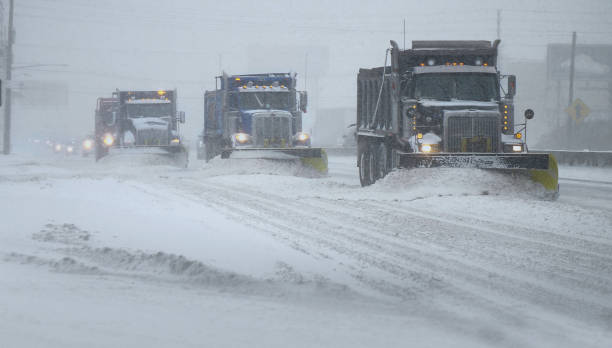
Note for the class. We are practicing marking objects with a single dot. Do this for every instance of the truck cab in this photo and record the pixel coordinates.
(138, 119)
(254, 111)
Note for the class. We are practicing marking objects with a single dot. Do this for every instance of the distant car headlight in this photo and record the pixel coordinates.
(58, 147)
(302, 137)
(69, 149)
(87, 144)
(109, 140)
(242, 137)
(517, 148)
(175, 141)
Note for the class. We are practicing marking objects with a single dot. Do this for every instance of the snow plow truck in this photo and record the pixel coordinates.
(140, 122)
(442, 104)
(258, 116)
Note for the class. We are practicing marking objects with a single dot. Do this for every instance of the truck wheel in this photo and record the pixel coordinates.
(364, 166)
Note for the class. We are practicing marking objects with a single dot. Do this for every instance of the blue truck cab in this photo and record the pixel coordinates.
(260, 112)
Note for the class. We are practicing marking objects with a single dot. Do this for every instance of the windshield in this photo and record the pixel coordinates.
(264, 100)
(461, 86)
(149, 110)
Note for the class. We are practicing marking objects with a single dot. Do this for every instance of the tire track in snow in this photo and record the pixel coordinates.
(378, 246)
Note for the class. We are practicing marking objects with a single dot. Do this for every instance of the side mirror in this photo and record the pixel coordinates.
(303, 101)
(511, 85)
(529, 114)
(181, 116)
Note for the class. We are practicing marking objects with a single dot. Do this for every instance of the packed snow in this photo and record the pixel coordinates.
(132, 251)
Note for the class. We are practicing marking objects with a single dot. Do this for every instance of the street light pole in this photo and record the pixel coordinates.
(6, 139)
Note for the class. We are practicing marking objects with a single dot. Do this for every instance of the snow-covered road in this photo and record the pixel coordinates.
(252, 253)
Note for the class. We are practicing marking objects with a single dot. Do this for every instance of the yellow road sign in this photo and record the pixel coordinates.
(578, 111)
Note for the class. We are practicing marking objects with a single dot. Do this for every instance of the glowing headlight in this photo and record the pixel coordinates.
(87, 144)
(58, 147)
(426, 148)
(108, 139)
(517, 148)
(303, 137)
(69, 149)
(175, 141)
(241, 137)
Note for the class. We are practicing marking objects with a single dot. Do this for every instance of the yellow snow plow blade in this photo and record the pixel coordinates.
(317, 163)
(549, 178)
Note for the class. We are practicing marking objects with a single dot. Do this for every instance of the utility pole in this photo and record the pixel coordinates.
(404, 34)
(572, 68)
(571, 89)
(6, 139)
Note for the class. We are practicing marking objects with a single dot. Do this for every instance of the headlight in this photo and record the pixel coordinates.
(58, 147)
(241, 137)
(87, 144)
(69, 149)
(302, 137)
(517, 148)
(108, 139)
(175, 141)
(426, 148)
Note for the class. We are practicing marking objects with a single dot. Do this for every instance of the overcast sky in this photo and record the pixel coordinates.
(93, 47)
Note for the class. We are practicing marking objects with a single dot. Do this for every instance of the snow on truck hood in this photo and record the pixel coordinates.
(456, 102)
(150, 123)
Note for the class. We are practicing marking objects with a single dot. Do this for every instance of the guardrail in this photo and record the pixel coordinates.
(584, 158)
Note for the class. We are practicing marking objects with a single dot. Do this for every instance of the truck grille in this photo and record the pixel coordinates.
(472, 132)
(272, 131)
(152, 137)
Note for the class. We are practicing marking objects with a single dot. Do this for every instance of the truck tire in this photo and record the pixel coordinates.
(366, 165)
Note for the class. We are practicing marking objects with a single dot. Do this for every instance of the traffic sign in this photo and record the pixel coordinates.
(578, 110)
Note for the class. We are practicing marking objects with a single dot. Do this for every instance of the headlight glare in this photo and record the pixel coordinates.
(108, 139)
(87, 144)
(241, 137)
(303, 136)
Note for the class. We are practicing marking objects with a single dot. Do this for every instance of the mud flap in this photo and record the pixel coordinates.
(180, 156)
(317, 163)
(549, 178)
